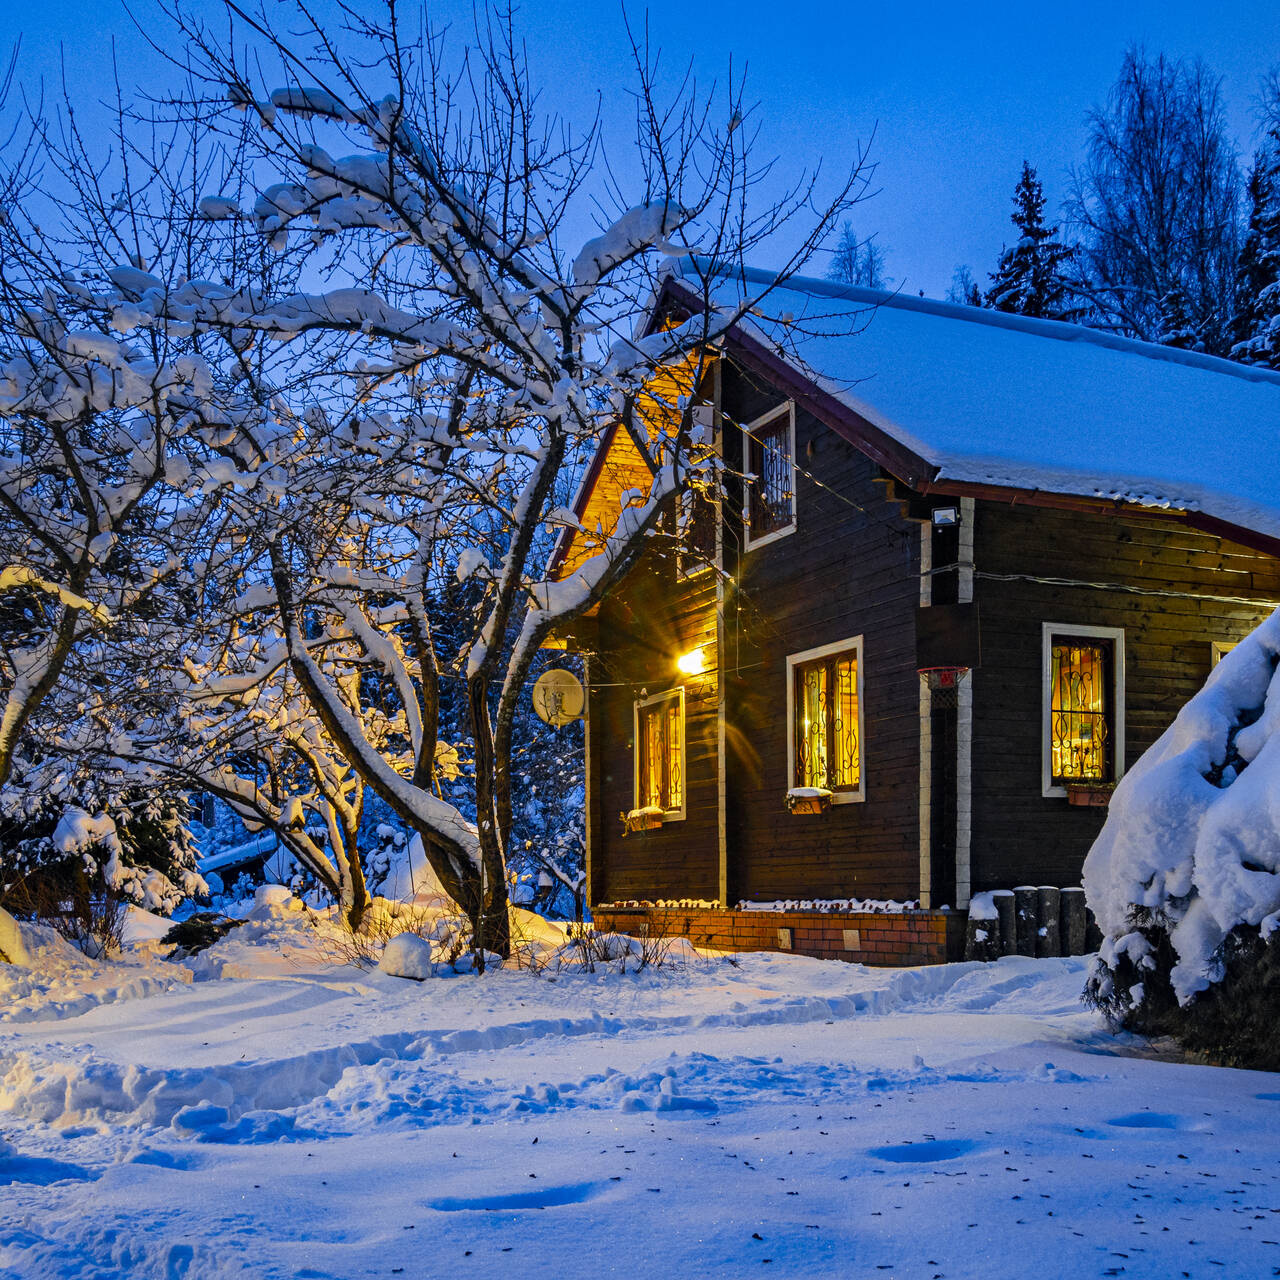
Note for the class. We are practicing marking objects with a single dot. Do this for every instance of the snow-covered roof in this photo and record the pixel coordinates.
(988, 398)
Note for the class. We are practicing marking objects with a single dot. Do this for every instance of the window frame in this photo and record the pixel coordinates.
(750, 542)
(642, 704)
(853, 645)
(1048, 632)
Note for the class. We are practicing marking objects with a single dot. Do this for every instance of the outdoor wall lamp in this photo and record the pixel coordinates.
(693, 663)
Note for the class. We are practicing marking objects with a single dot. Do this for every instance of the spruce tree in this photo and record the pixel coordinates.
(1257, 314)
(1031, 278)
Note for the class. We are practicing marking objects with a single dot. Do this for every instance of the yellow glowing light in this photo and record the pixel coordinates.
(693, 663)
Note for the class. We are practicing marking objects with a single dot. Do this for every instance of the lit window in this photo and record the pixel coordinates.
(659, 753)
(1084, 730)
(825, 711)
(770, 458)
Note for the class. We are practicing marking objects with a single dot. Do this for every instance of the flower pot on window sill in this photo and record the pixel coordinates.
(808, 800)
(649, 819)
(1095, 795)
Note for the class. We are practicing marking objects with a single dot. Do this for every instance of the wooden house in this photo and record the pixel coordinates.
(966, 569)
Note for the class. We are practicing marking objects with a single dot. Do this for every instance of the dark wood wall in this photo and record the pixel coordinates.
(851, 568)
(643, 629)
(1020, 836)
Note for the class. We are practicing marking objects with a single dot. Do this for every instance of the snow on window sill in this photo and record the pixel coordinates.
(809, 799)
(648, 818)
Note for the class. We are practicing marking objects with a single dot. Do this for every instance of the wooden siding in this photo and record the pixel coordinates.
(643, 630)
(1019, 835)
(850, 568)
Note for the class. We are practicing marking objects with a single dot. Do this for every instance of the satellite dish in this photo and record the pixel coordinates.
(558, 697)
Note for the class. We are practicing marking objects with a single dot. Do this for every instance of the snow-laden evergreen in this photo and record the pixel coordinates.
(1257, 319)
(1033, 276)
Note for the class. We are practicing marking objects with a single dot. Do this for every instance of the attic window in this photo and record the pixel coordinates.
(770, 456)
(1083, 706)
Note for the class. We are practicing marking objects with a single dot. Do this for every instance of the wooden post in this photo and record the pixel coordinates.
(1073, 922)
(925, 802)
(722, 740)
(964, 717)
(1025, 903)
(1003, 899)
(982, 939)
(1048, 938)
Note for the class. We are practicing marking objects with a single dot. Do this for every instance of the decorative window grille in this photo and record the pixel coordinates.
(1081, 717)
(771, 498)
(828, 748)
(660, 752)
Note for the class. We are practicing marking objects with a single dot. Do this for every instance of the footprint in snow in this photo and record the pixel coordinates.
(1149, 1120)
(541, 1198)
(924, 1152)
(40, 1172)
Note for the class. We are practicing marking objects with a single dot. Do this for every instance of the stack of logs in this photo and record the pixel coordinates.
(1033, 920)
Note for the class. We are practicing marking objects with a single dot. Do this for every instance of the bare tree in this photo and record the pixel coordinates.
(1156, 206)
(460, 362)
(111, 466)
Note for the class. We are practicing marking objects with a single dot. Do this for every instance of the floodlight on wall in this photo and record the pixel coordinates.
(693, 663)
(945, 517)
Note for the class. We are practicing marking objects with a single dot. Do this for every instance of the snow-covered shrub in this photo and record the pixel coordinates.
(76, 848)
(1185, 876)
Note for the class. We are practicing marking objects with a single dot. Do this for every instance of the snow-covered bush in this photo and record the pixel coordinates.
(1184, 878)
(76, 847)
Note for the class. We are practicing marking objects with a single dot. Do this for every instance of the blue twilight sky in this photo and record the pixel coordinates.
(957, 94)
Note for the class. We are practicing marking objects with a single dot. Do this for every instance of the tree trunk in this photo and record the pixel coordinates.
(492, 921)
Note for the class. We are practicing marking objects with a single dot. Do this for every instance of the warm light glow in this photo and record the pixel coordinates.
(693, 663)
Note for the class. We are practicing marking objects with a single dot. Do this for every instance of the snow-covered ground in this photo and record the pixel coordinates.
(284, 1116)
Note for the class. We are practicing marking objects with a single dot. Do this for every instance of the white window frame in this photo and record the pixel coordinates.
(789, 408)
(640, 704)
(1048, 630)
(852, 645)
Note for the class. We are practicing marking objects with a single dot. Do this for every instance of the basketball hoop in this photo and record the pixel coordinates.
(944, 685)
(943, 678)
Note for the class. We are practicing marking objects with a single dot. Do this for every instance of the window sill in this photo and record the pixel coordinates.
(644, 820)
(1090, 795)
(750, 542)
(809, 800)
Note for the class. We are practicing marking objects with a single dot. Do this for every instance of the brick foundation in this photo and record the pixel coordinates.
(906, 938)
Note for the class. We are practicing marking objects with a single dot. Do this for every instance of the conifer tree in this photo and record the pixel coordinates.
(1257, 315)
(1031, 278)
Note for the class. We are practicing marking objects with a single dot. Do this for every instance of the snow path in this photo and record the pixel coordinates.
(786, 1116)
